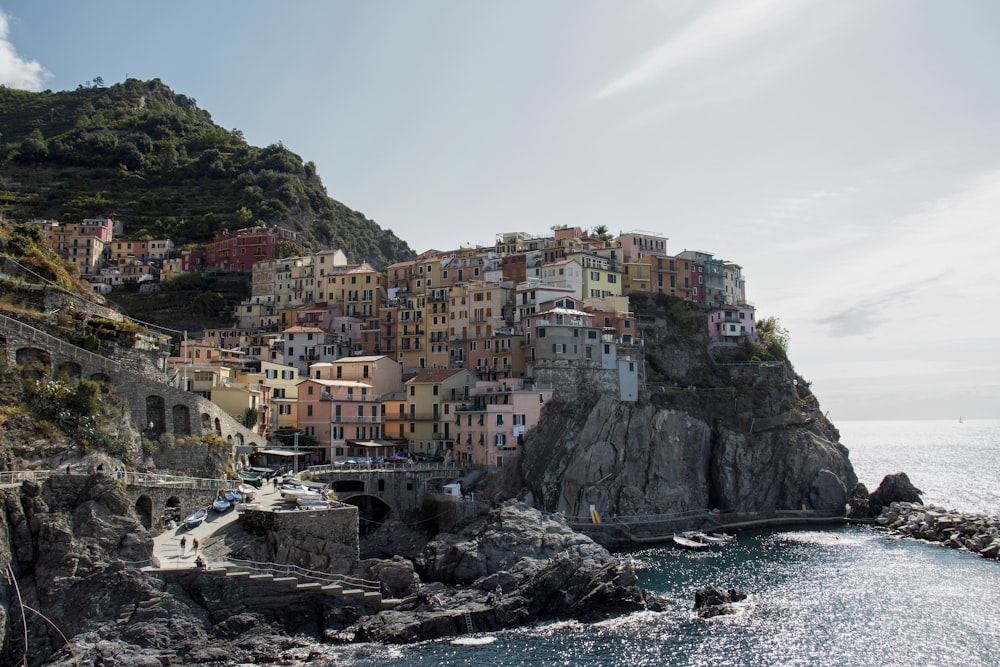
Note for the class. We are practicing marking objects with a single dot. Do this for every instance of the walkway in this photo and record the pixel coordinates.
(167, 550)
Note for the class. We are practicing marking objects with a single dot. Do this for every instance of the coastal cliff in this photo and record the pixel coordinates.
(709, 434)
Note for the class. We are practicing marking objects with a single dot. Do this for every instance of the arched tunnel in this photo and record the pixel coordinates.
(372, 510)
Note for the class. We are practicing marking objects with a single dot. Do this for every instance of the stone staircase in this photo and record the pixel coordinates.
(278, 590)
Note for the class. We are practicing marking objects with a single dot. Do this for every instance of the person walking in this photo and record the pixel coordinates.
(184, 544)
(196, 545)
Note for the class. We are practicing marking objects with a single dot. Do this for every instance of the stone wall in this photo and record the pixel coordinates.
(575, 384)
(322, 540)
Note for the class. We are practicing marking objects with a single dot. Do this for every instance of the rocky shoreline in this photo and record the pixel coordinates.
(977, 533)
(75, 536)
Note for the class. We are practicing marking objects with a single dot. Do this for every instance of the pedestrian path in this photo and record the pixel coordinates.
(167, 550)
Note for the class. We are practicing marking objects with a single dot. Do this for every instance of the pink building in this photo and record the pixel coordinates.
(490, 430)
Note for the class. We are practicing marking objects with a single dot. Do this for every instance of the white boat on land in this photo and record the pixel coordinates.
(312, 502)
(247, 491)
(688, 543)
(294, 494)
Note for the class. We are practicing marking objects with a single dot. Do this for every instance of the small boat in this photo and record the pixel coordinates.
(247, 491)
(294, 494)
(234, 497)
(251, 478)
(687, 543)
(715, 539)
(195, 518)
(220, 504)
(312, 502)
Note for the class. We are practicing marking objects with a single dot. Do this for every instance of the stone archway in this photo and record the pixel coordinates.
(39, 361)
(181, 419)
(172, 508)
(372, 512)
(103, 378)
(155, 415)
(71, 370)
(218, 426)
(144, 510)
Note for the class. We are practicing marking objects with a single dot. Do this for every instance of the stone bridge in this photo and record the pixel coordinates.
(154, 495)
(155, 406)
(151, 493)
(383, 492)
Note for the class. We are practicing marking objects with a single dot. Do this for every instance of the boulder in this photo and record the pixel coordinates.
(541, 568)
(894, 488)
(711, 601)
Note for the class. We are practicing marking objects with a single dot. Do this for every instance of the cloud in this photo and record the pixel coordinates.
(865, 316)
(15, 71)
(727, 24)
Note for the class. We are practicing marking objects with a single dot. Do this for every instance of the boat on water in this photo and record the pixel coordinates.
(713, 539)
(195, 518)
(688, 543)
(220, 504)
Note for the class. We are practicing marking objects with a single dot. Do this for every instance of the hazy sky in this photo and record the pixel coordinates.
(846, 153)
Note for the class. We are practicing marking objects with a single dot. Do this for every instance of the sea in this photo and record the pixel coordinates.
(844, 595)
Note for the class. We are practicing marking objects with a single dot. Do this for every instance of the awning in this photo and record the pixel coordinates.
(371, 443)
(284, 452)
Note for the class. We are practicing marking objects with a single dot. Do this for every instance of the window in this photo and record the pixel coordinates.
(501, 440)
(310, 391)
(499, 419)
(413, 390)
(435, 390)
(309, 411)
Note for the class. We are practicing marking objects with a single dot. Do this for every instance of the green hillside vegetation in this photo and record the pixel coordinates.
(140, 153)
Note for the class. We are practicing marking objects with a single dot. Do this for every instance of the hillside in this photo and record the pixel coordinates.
(140, 153)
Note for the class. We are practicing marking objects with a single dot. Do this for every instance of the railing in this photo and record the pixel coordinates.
(176, 481)
(302, 573)
(18, 476)
(56, 344)
(356, 419)
(453, 467)
(354, 398)
(131, 478)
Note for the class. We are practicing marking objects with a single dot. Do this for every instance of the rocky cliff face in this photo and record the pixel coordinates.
(704, 436)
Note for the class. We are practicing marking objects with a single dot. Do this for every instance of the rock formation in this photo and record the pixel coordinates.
(73, 546)
(511, 568)
(648, 458)
(711, 601)
(977, 533)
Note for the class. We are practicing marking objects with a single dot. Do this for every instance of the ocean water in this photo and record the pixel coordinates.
(844, 595)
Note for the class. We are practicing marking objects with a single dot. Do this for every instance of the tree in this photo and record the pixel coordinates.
(250, 417)
(601, 232)
(773, 336)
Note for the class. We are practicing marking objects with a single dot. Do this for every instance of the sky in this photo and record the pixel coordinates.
(846, 154)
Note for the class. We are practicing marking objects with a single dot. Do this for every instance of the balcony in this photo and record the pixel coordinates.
(355, 419)
(353, 398)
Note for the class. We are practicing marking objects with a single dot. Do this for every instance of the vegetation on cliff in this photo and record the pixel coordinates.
(140, 153)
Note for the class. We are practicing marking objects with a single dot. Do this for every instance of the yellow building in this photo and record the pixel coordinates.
(429, 424)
